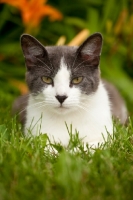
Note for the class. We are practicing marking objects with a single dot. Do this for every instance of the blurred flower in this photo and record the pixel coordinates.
(22, 87)
(32, 11)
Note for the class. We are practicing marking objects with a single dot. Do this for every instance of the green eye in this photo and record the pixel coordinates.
(47, 80)
(77, 80)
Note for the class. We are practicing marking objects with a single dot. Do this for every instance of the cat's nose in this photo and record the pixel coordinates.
(61, 99)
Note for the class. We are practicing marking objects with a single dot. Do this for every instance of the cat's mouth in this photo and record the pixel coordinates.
(61, 108)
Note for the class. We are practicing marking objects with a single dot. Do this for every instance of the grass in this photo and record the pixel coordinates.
(27, 171)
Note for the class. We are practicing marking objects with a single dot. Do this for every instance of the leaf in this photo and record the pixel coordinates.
(3, 129)
(79, 38)
(3, 133)
(108, 8)
(93, 18)
(22, 87)
(75, 21)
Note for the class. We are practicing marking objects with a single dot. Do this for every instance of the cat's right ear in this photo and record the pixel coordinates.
(90, 50)
(32, 50)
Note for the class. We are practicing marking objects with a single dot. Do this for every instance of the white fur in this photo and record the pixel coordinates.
(89, 114)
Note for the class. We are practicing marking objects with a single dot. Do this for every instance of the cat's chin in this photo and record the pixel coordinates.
(62, 110)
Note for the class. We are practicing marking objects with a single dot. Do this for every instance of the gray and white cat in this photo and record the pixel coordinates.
(65, 87)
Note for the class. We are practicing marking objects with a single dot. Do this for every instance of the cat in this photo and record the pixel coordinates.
(65, 87)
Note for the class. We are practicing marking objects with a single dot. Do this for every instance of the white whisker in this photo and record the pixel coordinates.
(74, 60)
(29, 106)
(77, 67)
(45, 64)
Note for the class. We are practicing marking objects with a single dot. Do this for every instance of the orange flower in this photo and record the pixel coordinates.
(33, 11)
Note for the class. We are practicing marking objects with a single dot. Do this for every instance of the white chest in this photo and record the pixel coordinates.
(91, 123)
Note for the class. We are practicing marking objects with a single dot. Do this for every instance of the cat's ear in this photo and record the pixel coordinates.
(32, 50)
(91, 48)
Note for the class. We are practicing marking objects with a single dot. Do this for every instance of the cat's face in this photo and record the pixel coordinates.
(62, 77)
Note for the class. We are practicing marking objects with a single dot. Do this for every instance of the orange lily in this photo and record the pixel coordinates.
(32, 11)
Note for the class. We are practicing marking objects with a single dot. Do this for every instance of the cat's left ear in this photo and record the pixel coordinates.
(91, 48)
(33, 51)
(31, 46)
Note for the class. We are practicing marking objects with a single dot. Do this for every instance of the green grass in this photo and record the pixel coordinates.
(27, 171)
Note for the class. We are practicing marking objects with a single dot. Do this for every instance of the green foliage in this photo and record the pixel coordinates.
(27, 171)
(112, 19)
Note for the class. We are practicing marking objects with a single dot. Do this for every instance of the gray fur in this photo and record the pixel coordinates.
(19, 108)
(45, 61)
(118, 107)
(81, 61)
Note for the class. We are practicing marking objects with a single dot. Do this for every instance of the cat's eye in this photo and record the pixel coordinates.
(47, 79)
(77, 80)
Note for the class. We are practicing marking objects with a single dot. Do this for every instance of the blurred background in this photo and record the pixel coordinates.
(58, 22)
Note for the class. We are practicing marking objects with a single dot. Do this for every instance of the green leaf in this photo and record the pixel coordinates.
(92, 20)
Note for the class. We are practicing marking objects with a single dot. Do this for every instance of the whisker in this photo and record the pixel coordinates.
(38, 105)
(33, 105)
(87, 110)
(44, 64)
(74, 60)
(83, 62)
(77, 67)
(42, 106)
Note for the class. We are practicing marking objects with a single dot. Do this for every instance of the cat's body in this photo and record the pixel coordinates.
(89, 118)
(65, 88)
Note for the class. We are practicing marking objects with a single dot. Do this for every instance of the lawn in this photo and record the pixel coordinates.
(30, 171)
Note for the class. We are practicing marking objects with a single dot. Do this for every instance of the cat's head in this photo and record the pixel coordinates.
(62, 77)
